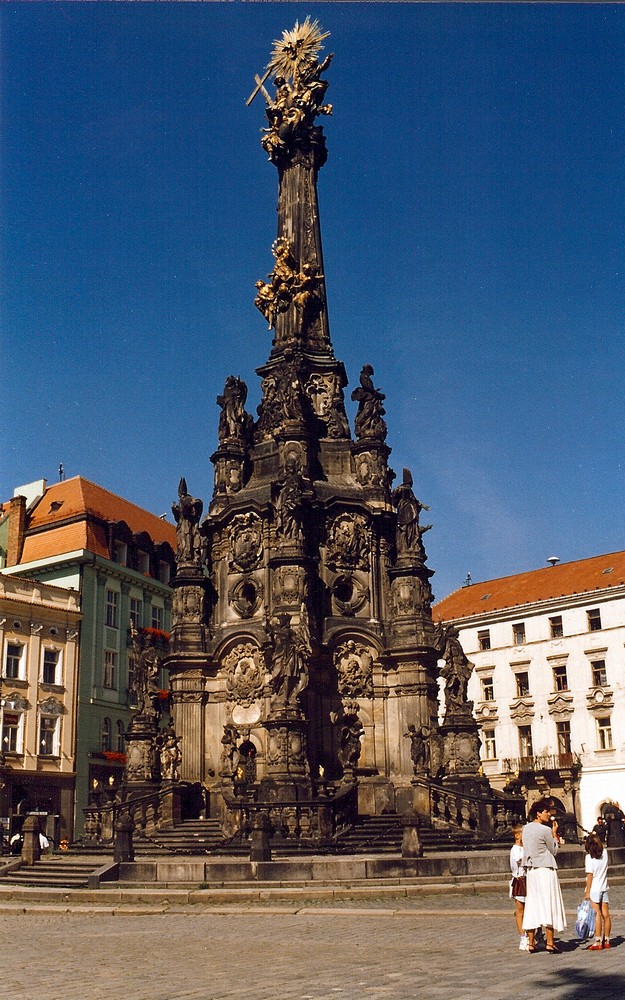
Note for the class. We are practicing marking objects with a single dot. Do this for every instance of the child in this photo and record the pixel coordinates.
(597, 890)
(517, 884)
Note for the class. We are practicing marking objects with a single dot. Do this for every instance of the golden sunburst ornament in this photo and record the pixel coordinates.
(297, 47)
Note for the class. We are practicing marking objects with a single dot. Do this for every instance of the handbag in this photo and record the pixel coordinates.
(519, 886)
(585, 922)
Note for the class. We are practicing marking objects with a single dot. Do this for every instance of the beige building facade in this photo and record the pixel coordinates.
(39, 639)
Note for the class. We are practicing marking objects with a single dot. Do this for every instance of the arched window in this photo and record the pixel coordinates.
(121, 738)
(106, 734)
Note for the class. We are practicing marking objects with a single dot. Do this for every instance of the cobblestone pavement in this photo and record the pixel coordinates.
(439, 948)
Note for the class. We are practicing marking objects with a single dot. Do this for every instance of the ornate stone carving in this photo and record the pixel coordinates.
(348, 543)
(283, 398)
(144, 686)
(371, 469)
(187, 513)
(188, 604)
(290, 585)
(289, 653)
(234, 422)
(276, 295)
(351, 734)
(461, 753)
(349, 595)
(244, 671)
(246, 596)
(354, 666)
(409, 535)
(410, 594)
(369, 422)
(328, 403)
(246, 541)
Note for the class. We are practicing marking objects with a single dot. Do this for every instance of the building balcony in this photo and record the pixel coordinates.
(543, 762)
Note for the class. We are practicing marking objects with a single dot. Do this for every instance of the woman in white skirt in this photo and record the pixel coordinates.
(543, 904)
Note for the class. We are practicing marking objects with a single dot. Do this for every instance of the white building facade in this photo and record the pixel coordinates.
(549, 680)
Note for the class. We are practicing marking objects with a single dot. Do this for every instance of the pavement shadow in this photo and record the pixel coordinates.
(582, 984)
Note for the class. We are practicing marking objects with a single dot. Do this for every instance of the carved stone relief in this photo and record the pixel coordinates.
(244, 671)
(349, 594)
(354, 666)
(348, 543)
(289, 585)
(410, 594)
(246, 596)
(246, 541)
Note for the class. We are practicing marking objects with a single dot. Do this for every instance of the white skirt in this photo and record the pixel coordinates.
(543, 904)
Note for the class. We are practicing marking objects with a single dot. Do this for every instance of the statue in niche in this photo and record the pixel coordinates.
(187, 513)
(289, 389)
(369, 422)
(348, 542)
(456, 671)
(409, 537)
(419, 748)
(290, 652)
(233, 420)
(169, 750)
(293, 494)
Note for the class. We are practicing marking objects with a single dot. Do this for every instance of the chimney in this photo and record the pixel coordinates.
(17, 529)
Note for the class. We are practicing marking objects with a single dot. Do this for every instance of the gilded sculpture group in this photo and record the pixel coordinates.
(287, 284)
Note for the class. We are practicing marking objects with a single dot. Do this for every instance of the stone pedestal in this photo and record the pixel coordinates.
(461, 754)
(286, 768)
(31, 848)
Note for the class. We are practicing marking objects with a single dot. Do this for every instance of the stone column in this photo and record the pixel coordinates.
(188, 701)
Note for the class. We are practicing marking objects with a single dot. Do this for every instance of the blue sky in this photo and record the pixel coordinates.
(472, 212)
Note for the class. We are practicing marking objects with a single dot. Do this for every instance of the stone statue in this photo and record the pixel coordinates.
(289, 504)
(275, 296)
(187, 513)
(144, 686)
(369, 422)
(169, 748)
(230, 754)
(348, 543)
(233, 420)
(306, 289)
(419, 748)
(352, 731)
(409, 531)
(290, 652)
(456, 671)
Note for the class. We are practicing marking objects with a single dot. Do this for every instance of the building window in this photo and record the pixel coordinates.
(518, 633)
(121, 738)
(604, 733)
(560, 680)
(106, 742)
(599, 676)
(50, 671)
(12, 729)
(13, 662)
(490, 747)
(110, 669)
(526, 748)
(48, 736)
(164, 572)
(488, 689)
(483, 638)
(158, 615)
(112, 608)
(594, 620)
(143, 562)
(136, 612)
(555, 627)
(522, 683)
(121, 553)
(563, 733)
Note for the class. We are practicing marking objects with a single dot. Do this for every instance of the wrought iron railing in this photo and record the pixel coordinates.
(541, 762)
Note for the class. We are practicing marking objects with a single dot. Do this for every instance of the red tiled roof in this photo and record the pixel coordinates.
(76, 499)
(548, 583)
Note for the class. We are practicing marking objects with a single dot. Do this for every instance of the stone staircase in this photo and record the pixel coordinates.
(383, 835)
(192, 836)
(56, 872)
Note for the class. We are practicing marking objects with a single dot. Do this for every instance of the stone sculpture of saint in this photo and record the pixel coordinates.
(290, 653)
(170, 754)
(187, 513)
(351, 741)
(233, 420)
(369, 422)
(409, 537)
(456, 671)
(290, 502)
(419, 747)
